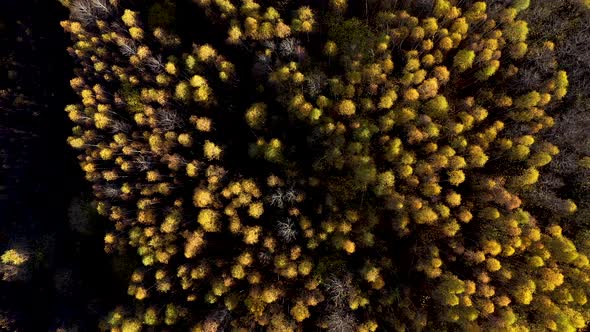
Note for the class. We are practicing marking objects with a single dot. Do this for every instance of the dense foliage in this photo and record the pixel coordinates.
(349, 166)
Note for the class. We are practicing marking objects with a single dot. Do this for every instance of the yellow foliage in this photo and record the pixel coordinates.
(339, 6)
(185, 140)
(203, 124)
(76, 143)
(463, 60)
(140, 293)
(101, 120)
(194, 243)
(208, 219)
(129, 18)
(270, 295)
(202, 94)
(192, 169)
(131, 326)
(255, 210)
(493, 264)
(256, 115)
(305, 268)
(171, 68)
(136, 33)
(234, 34)
(205, 53)
(346, 107)
(211, 151)
(14, 257)
(183, 91)
(202, 198)
(300, 312)
(251, 234)
(411, 95)
(349, 246)
(238, 272)
(170, 223)
(456, 177)
(425, 216)
(282, 30)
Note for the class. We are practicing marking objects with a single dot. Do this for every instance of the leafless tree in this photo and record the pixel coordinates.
(269, 44)
(264, 258)
(7, 320)
(128, 48)
(290, 195)
(262, 66)
(118, 126)
(10, 272)
(87, 11)
(339, 289)
(314, 83)
(529, 78)
(549, 200)
(111, 191)
(571, 129)
(143, 162)
(169, 119)
(288, 47)
(277, 199)
(216, 320)
(541, 60)
(101, 6)
(424, 7)
(81, 10)
(535, 14)
(341, 321)
(119, 27)
(155, 64)
(565, 163)
(286, 230)
(550, 181)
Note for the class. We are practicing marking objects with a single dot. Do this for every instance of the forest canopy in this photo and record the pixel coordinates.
(336, 165)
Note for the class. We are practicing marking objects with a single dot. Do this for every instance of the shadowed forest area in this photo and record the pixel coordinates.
(44, 204)
(282, 165)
